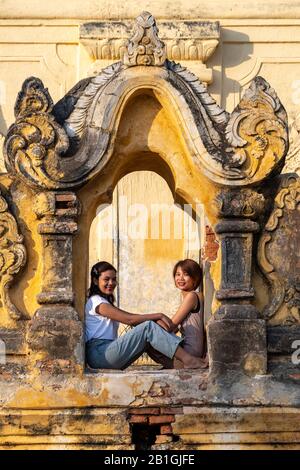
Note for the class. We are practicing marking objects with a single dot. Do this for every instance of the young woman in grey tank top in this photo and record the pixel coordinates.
(189, 318)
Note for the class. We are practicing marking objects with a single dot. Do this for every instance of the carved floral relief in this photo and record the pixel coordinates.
(12, 256)
(279, 257)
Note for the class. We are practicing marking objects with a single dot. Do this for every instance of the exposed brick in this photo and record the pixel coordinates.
(172, 411)
(144, 411)
(166, 429)
(162, 419)
(163, 439)
(65, 197)
(138, 419)
(211, 246)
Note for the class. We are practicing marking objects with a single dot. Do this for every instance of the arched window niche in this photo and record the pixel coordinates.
(143, 233)
(149, 164)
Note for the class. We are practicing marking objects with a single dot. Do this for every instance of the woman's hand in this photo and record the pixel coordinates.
(133, 319)
(166, 323)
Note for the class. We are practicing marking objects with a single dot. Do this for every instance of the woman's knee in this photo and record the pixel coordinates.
(146, 325)
(146, 328)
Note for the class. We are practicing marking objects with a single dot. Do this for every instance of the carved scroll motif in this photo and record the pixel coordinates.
(34, 142)
(292, 162)
(278, 254)
(12, 256)
(257, 130)
(145, 47)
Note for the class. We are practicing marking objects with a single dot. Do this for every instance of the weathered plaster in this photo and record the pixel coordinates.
(155, 117)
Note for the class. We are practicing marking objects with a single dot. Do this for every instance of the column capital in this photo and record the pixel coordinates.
(239, 203)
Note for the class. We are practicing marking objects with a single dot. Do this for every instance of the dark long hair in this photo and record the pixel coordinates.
(96, 271)
(192, 268)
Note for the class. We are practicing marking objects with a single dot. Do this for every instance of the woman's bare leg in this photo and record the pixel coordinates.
(189, 361)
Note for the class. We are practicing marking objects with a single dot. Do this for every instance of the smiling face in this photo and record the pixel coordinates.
(183, 280)
(107, 282)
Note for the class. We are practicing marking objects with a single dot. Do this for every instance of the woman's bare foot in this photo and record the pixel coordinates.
(189, 361)
(205, 359)
(196, 363)
(177, 364)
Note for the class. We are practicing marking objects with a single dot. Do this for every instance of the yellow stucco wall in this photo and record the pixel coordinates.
(91, 410)
(44, 40)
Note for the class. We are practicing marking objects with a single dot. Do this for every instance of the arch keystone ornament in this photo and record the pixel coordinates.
(145, 47)
(183, 40)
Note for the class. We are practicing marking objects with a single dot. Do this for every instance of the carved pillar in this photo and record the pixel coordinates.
(236, 240)
(236, 334)
(55, 332)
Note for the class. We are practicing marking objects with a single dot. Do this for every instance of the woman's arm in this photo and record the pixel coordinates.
(189, 303)
(114, 313)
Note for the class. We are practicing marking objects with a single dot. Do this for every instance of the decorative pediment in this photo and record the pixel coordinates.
(61, 147)
(292, 163)
(186, 41)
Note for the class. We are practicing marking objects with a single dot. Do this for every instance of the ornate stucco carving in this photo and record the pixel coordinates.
(61, 148)
(76, 123)
(34, 142)
(257, 129)
(184, 40)
(239, 203)
(145, 47)
(12, 256)
(2, 167)
(278, 254)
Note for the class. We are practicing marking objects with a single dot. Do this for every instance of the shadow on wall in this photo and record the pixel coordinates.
(241, 51)
(3, 131)
(3, 124)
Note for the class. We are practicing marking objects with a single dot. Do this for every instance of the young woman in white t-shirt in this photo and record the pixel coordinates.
(104, 349)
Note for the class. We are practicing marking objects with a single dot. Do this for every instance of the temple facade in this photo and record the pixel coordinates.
(143, 137)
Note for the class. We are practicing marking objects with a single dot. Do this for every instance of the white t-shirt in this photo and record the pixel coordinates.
(97, 326)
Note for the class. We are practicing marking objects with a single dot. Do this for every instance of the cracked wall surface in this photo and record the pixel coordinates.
(216, 133)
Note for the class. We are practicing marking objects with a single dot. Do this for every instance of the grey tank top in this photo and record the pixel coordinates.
(192, 329)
